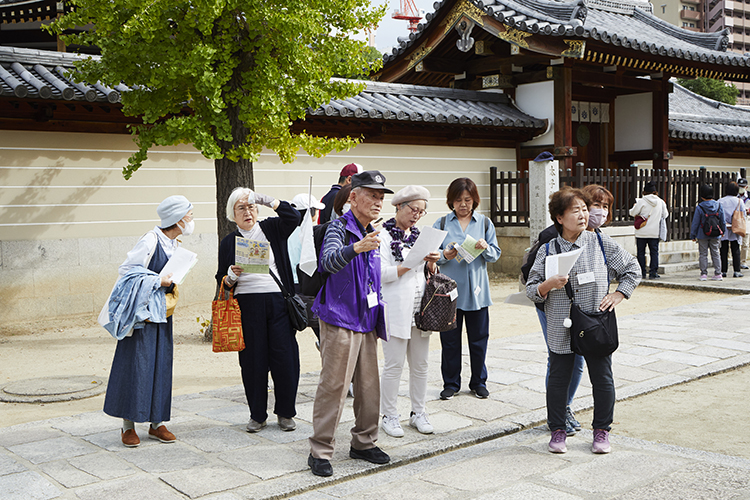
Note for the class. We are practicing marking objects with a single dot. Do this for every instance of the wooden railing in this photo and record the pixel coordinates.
(509, 193)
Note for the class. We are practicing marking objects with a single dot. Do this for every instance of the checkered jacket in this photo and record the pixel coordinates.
(620, 265)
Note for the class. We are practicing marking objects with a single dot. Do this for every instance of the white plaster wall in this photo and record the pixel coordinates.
(633, 127)
(538, 99)
(68, 218)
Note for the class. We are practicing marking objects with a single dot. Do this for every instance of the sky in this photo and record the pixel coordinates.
(390, 29)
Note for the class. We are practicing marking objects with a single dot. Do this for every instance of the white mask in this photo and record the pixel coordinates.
(742, 190)
(188, 229)
(346, 208)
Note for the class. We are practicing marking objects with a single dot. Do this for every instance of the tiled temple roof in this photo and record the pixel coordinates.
(29, 73)
(627, 23)
(36, 74)
(697, 118)
(392, 101)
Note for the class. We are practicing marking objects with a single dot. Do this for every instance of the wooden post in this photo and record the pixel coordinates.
(493, 195)
(563, 120)
(660, 125)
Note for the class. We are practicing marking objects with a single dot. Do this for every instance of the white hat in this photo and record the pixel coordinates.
(410, 193)
(300, 202)
(173, 209)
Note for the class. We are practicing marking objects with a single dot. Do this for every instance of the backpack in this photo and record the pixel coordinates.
(437, 311)
(311, 285)
(711, 224)
(530, 255)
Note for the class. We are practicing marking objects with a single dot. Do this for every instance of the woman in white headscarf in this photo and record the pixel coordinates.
(402, 290)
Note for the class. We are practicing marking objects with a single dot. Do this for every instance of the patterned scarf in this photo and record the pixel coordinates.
(398, 238)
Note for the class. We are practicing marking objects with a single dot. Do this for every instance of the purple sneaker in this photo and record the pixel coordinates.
(557, 442)
(601, 442)
(717, 277)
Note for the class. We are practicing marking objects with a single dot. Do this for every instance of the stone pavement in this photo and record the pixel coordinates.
(688, 280)
(81, 456)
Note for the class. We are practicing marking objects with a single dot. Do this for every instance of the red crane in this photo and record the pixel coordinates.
(408, 12)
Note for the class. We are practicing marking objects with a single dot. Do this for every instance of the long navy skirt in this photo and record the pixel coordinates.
(140, 382)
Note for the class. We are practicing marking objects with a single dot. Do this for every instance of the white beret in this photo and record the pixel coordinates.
(410, 193)
(172, 210)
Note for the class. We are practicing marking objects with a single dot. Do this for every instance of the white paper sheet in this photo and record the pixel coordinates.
(429, 240)
(179, 264)
(561, 263)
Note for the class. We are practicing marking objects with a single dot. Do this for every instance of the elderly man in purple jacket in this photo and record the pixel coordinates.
(347, 306)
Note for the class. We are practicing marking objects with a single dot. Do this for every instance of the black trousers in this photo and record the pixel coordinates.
(600, 374)
(270, 345)
(725, 244)
(478, 333)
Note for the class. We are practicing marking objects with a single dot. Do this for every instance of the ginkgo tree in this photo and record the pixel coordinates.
(227, 76)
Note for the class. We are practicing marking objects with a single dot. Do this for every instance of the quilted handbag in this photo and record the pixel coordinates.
(437, 312)
(227, 322)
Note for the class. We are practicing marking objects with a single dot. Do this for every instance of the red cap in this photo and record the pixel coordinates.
(350, 169)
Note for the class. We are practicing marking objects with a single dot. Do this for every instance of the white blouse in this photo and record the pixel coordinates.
(257, 283)
(141, 253)
(401, 294)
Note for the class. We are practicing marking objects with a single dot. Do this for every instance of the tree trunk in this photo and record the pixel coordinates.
(229, 175)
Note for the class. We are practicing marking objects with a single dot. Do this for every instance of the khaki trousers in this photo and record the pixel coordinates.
(346, 356)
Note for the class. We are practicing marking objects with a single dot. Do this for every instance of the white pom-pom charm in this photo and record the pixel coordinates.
(567, 323)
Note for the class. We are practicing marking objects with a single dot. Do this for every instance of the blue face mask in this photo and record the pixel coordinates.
(597, 216)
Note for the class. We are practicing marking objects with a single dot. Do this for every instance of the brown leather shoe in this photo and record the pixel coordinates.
(130, 438)
(162, 434)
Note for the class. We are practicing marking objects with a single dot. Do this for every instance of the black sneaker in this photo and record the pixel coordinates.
(446, 394)
(738, 275)
(570, 420)
(373, 455)
(481, 392)
(320, 466)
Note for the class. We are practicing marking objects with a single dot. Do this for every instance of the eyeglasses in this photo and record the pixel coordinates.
(244, 208)
(416, 211)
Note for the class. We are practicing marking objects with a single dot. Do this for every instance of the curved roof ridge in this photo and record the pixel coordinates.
(718, 40)
(555, 11)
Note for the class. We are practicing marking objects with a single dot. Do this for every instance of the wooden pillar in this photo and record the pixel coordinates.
(660, 126)
(563, 78)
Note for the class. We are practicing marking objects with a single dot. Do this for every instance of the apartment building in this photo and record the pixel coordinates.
(712, 16)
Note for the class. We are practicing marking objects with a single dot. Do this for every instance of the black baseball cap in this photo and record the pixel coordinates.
(371, 179)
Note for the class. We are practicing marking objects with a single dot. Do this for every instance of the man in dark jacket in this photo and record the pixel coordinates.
(347, 307)
(345, 177)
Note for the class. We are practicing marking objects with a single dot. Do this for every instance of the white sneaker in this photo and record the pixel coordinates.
(392, 426)
(419, 420)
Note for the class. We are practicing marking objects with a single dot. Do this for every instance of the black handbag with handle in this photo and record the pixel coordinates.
(295, 306)
(592, 334)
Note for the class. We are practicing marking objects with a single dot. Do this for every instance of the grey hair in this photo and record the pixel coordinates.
(238, 194)
(426, 204)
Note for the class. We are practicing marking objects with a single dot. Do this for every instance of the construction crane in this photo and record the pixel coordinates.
(408, 12)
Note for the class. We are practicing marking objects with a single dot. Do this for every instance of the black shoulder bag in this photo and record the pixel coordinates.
(592, 334)
(295, 306)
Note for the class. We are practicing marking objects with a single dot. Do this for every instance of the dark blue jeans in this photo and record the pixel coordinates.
(478, 332)
(653, 255)
(600, 374)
